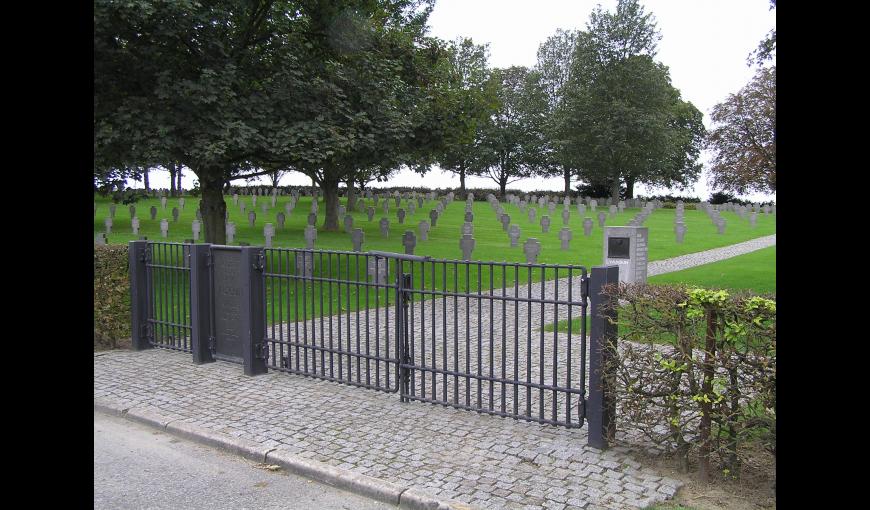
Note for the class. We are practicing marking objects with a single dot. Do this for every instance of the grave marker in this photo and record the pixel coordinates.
(433, 217)
(164, 227)
(409, 241)
(231, 232)
(545, 223)
(252, 218)
(466, 244)
(602, 217)
(153, 212)
(348, 223)
(357, 238)
(423, 227)
(565, 236)
(627, 248)
(587, 226)
(531, 249)
(514, 234)
(195, 227)
(135, 224)
(385, 227)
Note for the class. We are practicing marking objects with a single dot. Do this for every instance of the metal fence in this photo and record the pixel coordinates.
(490, 337)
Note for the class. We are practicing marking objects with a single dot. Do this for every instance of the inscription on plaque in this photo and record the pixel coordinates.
(228, 303)
(617, 248)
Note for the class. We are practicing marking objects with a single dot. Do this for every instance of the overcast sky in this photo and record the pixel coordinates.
(704, 43)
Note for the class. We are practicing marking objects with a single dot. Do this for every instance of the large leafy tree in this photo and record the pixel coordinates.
(470, 101)
(236, 89)
(744, 139)
(512, 140)
(555, 62)
(624, 122)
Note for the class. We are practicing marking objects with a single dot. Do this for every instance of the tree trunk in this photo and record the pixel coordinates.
(178, 187)
(145, 178)
(567, 175)
(705, 427)
(214, 209)
(351, 196)
(462, 179)
(330, 197)
(502, 185)
(614, 190)
(629, 187)
(172, 171)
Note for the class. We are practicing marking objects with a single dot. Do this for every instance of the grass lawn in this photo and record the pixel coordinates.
(443, 243)
(755, 271)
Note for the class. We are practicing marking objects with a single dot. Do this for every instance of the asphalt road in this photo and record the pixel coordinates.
(136, 466)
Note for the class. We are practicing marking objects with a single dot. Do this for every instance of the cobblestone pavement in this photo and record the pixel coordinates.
(705, 257)
(486, 461)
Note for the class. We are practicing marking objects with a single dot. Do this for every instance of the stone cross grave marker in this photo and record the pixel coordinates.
(279, 219)
(163, 202)
(720, 226)
(419, 202)
(545, 223)
(409, 241)
(411, 208)
(100, 239)
(312, 219)
(522, 206)
(254, 201)
(181, 202)
(469, 217)
(164, 227)
(531, 248)
(593, 204)
(753, 218)
(264, 208)
(348, 223)
(433, 217)
(398, 200)
(370, 212)
(242, 207)
(423, 227)
(175, 214)
(468, 228)
(195, 227)
(357, 238)
(581, 209)
(310, 236)
(565, 236)
(532, 214)
(566, 216)
(132, 211)
(466, 244)
(385, 227)
(551, 207)
(112, 208)
(252, 218)
(505, 221)
(602, 217)
(587, 226)
(235, 199)
(566, 203)
(612, 211)
(514, 234)
(680, 231)
(400, 213)
(376, 198)
(153, 212)
(135, 224)
(108, 223)
(386, 207)
(231, 232)
(378, 269)
(268, 233)
(342, 210)
(314, 206)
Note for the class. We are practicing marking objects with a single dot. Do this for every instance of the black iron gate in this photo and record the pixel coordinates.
(501, 338)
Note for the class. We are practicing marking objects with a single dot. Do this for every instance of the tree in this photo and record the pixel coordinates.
(744, 139)
(555, 61)
(472, 99)
(512, 140)
(624, 122)
(228, 88)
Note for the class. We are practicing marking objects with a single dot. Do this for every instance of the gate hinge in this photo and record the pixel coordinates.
(261, 351)
(147, 331)
(208, 259)
(260, 262)
(584, 287)
(212, 345)
(145, 255)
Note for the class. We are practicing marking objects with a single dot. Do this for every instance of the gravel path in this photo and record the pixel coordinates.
(706, 257)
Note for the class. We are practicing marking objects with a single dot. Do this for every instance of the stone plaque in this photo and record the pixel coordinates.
(617, 247)
(228, 305)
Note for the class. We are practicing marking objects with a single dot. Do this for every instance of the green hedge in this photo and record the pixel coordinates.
(111, 297)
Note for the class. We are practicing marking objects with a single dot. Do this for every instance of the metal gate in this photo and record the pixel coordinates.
(501, 338)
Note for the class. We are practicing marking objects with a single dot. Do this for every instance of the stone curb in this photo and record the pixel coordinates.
(363, 485)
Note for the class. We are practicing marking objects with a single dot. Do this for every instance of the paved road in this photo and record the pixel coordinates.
(136, 466)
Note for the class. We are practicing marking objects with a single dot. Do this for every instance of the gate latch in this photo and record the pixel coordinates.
(261, 351)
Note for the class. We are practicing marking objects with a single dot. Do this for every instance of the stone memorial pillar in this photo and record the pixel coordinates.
(627, 247)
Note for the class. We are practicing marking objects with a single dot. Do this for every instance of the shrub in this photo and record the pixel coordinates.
(695, 370)
(111, 296)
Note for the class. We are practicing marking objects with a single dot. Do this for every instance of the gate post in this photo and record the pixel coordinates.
(253, 320)
(601, 407)
(200, 303)
(137, 252)
(402, 299)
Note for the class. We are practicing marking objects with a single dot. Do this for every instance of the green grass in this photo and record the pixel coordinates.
(755, 271)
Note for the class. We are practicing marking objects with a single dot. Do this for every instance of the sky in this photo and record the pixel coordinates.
(705, 44)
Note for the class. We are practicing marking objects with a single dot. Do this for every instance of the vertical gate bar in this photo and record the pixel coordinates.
(601, 406)
(377, 330)
(400, 370)
(480, 338)
(423, 330)
(491, 330)
(516, 340)
(444, 324)
(321, 313)
(200, 311)
(368, 327)
(285, 287)
(529, 348)
(434, 335)
(349, 349)
(584, 300)
(139, 284)
(568, 350)
(164, 299)
(296, 303)
(185, 295)
(504, 334)
(455, 333)
(314, 334)
(387, 319)
(152, 292)
(254, 311)
(331, 357)
(409, 327)
(304, 307)
(543, 349)
(467, 299)
(555, 339)
(170, 294)
(340, 315)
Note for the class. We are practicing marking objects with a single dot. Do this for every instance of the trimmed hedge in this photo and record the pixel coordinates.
(111, 296)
